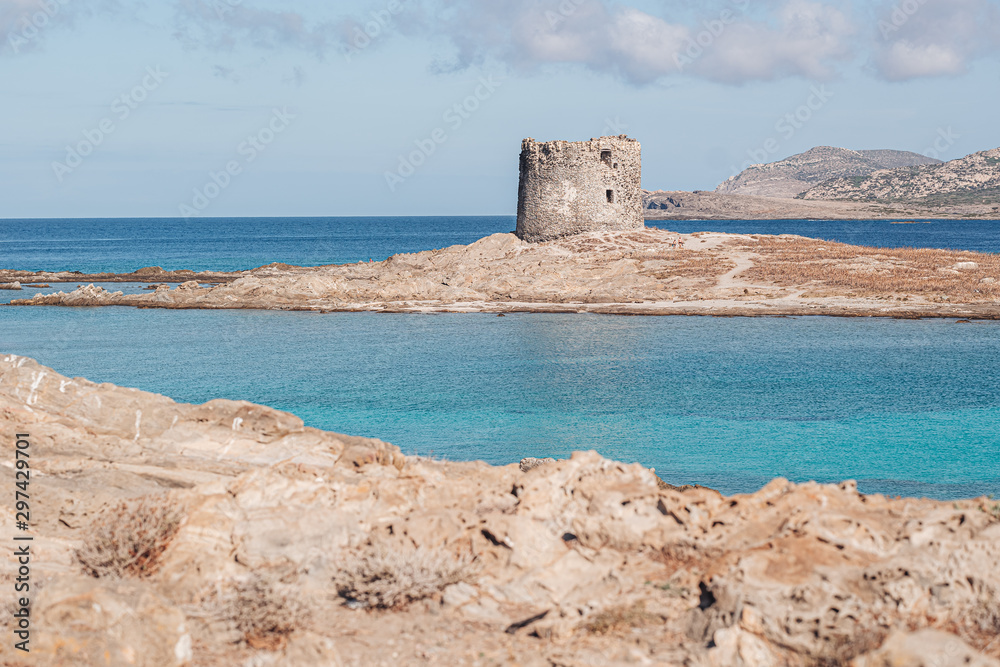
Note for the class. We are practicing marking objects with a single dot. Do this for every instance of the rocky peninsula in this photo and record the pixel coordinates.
(230, 534)
(635, 272)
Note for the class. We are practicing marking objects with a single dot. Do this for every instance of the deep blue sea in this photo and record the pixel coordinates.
(905, 407)
(121, 246)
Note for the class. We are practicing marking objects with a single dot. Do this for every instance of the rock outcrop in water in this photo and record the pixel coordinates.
(264, 542)
(651, 272)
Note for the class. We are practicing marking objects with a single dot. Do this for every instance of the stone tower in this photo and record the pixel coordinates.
(573, 187)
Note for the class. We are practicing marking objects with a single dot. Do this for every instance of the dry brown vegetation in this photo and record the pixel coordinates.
(689, 264)
(264, 616)
(386, 577)
(128, 540)
(622, 618)
(867, 271)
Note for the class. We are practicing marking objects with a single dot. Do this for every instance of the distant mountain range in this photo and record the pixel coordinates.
(974, 179)
(793, 176)
(827, 183)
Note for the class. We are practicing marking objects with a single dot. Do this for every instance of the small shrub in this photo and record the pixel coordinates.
(384, 577)
(129, 540)
(617, 619)
(265, 617)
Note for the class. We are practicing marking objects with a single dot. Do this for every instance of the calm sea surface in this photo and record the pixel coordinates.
(121, 246)
(906, 407)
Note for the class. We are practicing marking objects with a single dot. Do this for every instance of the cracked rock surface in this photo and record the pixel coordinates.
(301, 547)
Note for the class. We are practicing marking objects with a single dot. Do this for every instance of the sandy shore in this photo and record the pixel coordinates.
(649, 272)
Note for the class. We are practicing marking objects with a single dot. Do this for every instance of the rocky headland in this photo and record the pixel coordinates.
(794, 175)
(230, 534)
(974, 179)
(644, 272)
(827, 183)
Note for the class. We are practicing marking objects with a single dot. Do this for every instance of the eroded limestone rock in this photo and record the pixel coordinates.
(578, 561)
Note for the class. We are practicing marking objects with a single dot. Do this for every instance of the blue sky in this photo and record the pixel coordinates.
(263, 107)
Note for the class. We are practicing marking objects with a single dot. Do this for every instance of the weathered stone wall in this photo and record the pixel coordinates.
(573, 187)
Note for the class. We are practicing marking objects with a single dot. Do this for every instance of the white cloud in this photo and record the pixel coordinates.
(757, 39)
(25, 23)
(903, 60)
(227, 25)
(799, 37)
(808, 39)
(920, 38)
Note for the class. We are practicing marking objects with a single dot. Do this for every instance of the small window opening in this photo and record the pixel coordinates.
(611, 196)
(606, 157)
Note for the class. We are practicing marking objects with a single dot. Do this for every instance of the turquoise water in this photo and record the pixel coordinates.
(906, 407)
(121, 246)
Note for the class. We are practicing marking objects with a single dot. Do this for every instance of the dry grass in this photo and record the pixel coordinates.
(383, 577)
(129, 540)
(690, 264)
(874, 271)
(621, 619)
(263, 614)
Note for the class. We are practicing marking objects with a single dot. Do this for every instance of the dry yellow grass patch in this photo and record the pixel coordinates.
(876, 271)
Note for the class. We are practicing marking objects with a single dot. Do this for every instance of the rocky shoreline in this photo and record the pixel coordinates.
(647, 272)
(703, 205)
(143, 275)
(261, 541)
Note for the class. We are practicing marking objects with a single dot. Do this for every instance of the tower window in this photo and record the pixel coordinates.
(611, 196)
(606, 157)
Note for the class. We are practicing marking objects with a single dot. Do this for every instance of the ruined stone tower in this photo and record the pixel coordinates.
(573, 187)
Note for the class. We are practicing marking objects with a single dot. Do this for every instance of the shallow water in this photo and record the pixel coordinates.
(905, 407)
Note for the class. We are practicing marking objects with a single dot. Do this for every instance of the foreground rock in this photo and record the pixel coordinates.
(648, 272)
(268, 543)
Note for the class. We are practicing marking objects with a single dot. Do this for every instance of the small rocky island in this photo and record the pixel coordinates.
(581, 245)
(640, 272)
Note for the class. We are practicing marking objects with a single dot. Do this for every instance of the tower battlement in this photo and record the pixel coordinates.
(573, 187)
